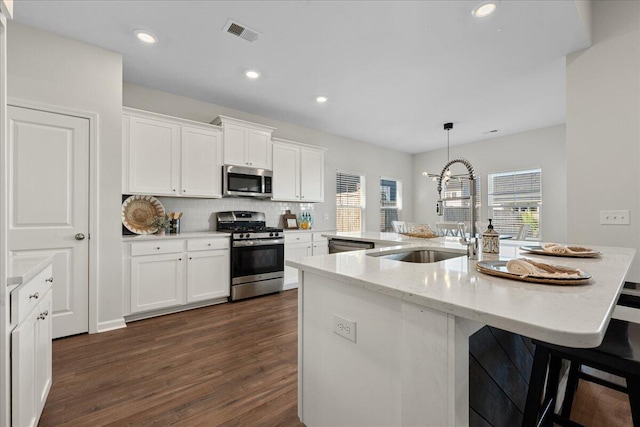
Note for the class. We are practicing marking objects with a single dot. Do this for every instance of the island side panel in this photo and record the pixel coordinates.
(402, 369)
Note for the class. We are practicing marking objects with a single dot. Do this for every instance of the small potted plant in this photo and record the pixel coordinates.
(162, 223)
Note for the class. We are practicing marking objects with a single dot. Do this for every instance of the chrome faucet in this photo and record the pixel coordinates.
(470, 242)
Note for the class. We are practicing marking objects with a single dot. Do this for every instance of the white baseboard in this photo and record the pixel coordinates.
(111, 325)
(288, 286)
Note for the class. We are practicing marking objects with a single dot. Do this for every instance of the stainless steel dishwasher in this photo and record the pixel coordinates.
(339, 245)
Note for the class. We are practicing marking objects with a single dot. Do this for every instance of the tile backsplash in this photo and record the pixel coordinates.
(200, 214)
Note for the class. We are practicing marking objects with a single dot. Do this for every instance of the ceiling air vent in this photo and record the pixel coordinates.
(241, 31)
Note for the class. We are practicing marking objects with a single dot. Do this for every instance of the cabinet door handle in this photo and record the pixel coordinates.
(184, 191)
(190, 258)
(208, 244)
(174, 189)
(79, 236)
(158, 248)
(179, 259)
(34, 296)
(50, 279)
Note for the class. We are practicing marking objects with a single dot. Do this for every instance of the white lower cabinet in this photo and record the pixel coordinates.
(300, 244)
(204, 270)
(320, 244)
(176, 272)
(294, 251)
(157, 281)
(31, 351)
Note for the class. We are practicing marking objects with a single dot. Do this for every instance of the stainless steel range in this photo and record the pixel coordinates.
(257, 254)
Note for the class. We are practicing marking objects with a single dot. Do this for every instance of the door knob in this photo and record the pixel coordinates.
(79, 236)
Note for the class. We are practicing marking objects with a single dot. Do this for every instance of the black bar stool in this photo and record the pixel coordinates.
(619, 354)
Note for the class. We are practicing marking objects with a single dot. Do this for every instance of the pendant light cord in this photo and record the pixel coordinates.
(448, 158)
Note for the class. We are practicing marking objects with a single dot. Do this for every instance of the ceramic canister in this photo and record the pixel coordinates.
(490, 240)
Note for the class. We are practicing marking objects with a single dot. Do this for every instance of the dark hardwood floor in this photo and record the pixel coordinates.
(225, 365)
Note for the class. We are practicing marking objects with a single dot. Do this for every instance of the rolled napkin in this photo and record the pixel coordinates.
(555, 248)
(558, 249)
(522, 268)
(525, 267)
(579, 249)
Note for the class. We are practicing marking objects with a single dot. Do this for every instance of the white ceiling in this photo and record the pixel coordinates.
(393, 71)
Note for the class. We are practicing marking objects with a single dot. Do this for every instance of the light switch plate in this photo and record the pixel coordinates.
(344, 327)
(620, 217)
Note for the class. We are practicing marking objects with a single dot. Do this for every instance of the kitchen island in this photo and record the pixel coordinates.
(403, 358)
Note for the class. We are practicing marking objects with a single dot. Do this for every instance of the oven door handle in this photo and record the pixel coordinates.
(248, 243)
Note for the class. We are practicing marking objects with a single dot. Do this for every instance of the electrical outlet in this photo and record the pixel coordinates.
(344, 327)
(614, 217)
(325, 216)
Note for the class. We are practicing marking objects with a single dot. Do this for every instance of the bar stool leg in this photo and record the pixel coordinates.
(572, 385)
(551, 393)
(536, 383)
(633, 388)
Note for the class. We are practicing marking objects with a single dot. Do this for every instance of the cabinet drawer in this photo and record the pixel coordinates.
(27, 296)
(297, 237)
(317, 237)
(160, 247)
(207, 244)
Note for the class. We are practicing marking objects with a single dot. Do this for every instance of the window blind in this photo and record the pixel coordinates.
(514, 199)
(390, 202)
(349, 201)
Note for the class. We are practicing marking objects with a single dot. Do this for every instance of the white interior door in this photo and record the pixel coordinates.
(49, 205)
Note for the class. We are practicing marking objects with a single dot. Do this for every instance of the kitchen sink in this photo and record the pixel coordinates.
(419, 256)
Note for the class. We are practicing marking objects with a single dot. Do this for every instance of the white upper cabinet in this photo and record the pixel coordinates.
(311, 175)
(246, 144)
(286, 170)
(201, 162)
(154, 156)
(168, 156)
(298, 172)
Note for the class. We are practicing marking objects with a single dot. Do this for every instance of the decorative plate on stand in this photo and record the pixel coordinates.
(138, 213)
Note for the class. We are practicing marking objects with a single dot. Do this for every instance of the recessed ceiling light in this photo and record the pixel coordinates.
(146, 37)
(484, 9)
(252, 74)
(321, 99)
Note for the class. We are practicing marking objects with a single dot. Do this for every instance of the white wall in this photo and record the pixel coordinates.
(603, 129)
(343, 154)
(50, 69)
(541, 148)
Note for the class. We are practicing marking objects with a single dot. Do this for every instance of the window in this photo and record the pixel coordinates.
(390, 202)
(514, 200)
(458, 210)
(349, 201)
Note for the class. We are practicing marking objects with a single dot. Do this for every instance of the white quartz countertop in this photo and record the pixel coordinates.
(192, 235)
(373, 236)
(575, 316)
(309, 230)
(22, 269)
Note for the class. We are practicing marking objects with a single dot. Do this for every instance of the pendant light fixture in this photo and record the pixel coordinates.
(447, 173)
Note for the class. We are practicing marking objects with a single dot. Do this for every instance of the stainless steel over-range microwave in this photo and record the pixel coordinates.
(249, 182)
